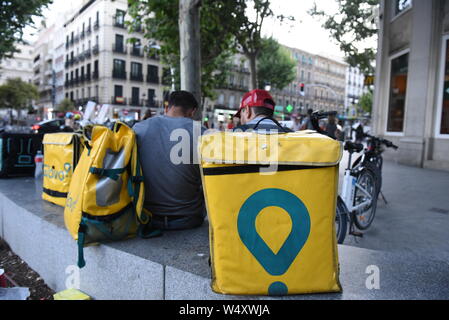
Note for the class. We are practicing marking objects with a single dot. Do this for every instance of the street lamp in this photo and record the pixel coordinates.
(268, 86)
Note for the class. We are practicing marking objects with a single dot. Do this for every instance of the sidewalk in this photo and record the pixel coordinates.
(416, 218)
(175, 266)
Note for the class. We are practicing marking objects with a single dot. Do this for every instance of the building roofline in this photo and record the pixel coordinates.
(79, 12)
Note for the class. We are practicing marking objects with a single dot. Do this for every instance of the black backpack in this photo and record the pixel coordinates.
(17, 152)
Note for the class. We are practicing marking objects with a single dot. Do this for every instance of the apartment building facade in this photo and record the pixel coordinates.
(19, 66)
(355, 88)
(320, 84)
(229, 96)
(102, 65)
(44, 73)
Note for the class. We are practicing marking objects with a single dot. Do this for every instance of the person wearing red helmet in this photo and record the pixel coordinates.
(256, 112)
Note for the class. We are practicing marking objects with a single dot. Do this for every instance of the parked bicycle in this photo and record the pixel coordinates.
(357, 204)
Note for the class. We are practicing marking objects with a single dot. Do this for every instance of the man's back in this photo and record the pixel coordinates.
(172, 190)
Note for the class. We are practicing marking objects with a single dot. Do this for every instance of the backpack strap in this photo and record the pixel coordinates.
(113, 174)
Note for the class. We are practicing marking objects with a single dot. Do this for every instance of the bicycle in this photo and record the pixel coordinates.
(357, 204)
(373, 157)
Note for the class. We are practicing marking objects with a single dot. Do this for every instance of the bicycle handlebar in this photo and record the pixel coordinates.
(385, 142)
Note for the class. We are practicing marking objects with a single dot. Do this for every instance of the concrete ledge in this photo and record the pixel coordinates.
(175, 266)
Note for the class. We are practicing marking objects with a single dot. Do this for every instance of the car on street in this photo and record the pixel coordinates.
(49, 126)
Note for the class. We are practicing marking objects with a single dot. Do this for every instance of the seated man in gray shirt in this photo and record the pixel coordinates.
(173, 189)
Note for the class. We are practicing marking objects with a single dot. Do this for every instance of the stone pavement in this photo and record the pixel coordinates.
(416, 218)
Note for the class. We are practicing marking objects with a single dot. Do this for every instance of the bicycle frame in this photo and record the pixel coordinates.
(349, 188)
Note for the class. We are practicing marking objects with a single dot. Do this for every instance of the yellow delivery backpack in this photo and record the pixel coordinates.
(61, 155)
(271, 202)
(106, 194)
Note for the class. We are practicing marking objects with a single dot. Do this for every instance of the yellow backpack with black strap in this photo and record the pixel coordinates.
(271, 203)
(62, 152)
(105, 199)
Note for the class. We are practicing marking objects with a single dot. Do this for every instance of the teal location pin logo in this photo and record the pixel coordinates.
(274, 264)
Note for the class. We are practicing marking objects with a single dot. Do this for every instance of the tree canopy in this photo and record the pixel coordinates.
(366, 102)
(17, 94)
(66, 105)
(227, 27)
(352, 27)
(160, 21)
(275, 65)
(15, 15)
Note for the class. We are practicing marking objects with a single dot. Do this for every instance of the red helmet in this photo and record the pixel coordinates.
(256, 98)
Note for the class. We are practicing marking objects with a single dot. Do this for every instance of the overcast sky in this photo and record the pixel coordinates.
(304, 33)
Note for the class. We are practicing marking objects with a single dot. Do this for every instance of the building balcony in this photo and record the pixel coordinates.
(81, 57)
(82, 34)
(153, 79)
(95, 75)
(152, 103)
(153, 56)
(88, 53)
(96, 49)
(137, 77)
(67, 64)
(118, 74)
(136, 102)
(119, 23)
(136, 52)
(118, 100)
(89, 30)
(87, 77)
(119, 48)
(96, 25)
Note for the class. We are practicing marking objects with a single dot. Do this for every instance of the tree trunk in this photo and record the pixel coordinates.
(253, 67)
(190, 42)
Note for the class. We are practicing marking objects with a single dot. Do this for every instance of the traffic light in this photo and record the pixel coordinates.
(301, 89)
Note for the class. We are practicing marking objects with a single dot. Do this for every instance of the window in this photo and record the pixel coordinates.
(232, 101)
(444, 101)
(120, 18)
(135, 94)
(119, 43)
(136, 71)
(221, 99)
(119, 65)
(96, 74)
(398, 91)
(151, 96)
(402, 5)
(118, 91)
(153, 74)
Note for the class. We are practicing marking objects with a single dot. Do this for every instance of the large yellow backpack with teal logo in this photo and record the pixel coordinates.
(271, 203)
(61, 155)
(105, 199)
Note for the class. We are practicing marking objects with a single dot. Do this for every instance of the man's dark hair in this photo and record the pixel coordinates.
(262, 111)
(182, 99)
(309, 112)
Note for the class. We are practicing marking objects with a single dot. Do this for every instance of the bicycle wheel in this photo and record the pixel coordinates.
(341, 221)
(366, 191)
(376, 169)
